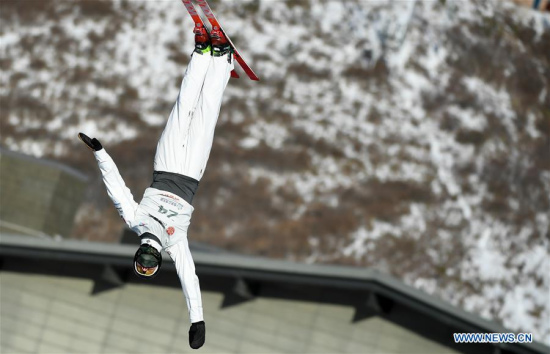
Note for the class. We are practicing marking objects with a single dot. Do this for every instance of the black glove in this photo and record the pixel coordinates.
(197, 334)
(93, 144)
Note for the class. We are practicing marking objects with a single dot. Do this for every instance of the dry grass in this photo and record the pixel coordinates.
(303, 140)
(385, 200)
(95, 9)
(25, 107)
(465, 136)
(508, 178)
(306, 73)
(177, 55)
(364, 74)
(28, 15)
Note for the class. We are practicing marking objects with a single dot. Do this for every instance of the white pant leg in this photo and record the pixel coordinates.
(185, 267)
(170, 148)
(203, 125)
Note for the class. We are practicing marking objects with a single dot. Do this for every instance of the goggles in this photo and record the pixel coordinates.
(147, 261)
(145, 271)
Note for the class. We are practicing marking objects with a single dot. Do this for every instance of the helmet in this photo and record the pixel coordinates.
(147, 261)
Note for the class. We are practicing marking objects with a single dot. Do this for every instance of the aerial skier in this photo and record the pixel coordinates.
(163, 216)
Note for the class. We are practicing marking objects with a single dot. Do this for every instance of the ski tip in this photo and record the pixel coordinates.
(251, 74)
(234, 74)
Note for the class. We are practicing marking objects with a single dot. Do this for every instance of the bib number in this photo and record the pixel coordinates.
(169, 213)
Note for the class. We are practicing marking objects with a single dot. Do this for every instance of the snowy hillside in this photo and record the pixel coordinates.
(412, 137)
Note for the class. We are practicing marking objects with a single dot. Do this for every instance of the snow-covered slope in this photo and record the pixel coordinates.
(408, 136)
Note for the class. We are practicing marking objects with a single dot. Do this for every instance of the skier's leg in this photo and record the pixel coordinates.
(201, 133)
(169, 156)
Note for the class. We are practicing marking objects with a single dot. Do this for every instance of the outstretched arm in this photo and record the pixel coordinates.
(181, 255)
(116, 188)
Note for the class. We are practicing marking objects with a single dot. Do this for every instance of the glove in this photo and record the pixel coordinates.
(197, 334)
(93, 144)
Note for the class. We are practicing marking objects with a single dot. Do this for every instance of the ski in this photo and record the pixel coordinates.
(214, 22)
(197, 19)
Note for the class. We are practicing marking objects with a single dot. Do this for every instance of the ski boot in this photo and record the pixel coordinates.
(202, 39)
(220, 44)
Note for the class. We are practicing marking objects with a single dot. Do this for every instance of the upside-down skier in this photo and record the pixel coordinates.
(163, 216)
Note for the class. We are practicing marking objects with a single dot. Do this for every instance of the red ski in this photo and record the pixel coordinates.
(214, 22)
(197, 19)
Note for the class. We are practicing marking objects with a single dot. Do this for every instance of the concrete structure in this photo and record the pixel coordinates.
(38, 197)
(80, 297)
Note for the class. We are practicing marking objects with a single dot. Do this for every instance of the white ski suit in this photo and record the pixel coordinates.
(183, 149)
